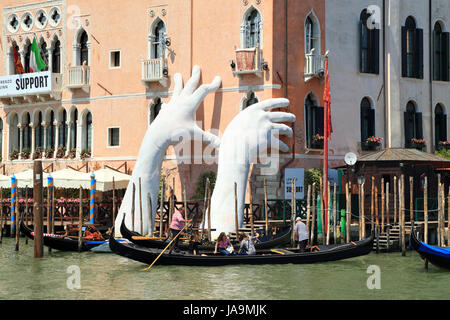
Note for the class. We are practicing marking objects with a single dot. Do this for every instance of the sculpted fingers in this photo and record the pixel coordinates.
(281, 117)
(270, 104)
(280, 145)
(200, 94)
(281, 129)
(192, 84)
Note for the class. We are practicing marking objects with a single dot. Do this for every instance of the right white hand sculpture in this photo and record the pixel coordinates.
(177, 118)
(251, 130)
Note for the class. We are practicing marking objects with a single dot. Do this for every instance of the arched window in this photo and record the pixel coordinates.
(440, 125)
(367, 121)
(27, 58)
(369, 46)
(253, 30)
(39, 132)
(155, 108)
(63, 130)
(413, 124)
(88, 132)
(314, 123)
(309, 35)
(56, 57)
(73, 129)
(412, 50)
(26, 135)
(159, 34)
(249, 100)
(84, 50)
(440, 51)
(51, 131)
(44, 53)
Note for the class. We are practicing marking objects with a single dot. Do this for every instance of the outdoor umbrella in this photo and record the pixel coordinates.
(104, 179)
(69, 178)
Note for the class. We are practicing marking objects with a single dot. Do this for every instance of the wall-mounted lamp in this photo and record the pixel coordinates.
(167, 42)
(265, 66)
(233, 65)
(165, 72)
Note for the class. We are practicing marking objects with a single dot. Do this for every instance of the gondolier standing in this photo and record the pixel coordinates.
(176, 226)
(301, 233)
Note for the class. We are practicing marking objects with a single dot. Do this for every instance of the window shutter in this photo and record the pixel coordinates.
(360, 46)
(247, 36)
(418, 126)
(371, 128)
(445, 56)
(375, 51)
(407, 129)
(419, 53)
(258, 36)
(404, 52)
(319, 120)
(444, 127)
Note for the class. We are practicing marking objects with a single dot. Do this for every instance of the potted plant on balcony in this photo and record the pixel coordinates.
(25, 154)
(49, 153)
(37, 153)
(72, 153)
(372, 143)
(418, 144)
(61, 152)
(85, 154)
(317, 141)
(444, 145)
(14, 155)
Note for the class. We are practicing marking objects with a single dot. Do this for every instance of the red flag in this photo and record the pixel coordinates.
(327, 101)
(17, 62)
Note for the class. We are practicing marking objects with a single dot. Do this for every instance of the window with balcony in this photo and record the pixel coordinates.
(440, 125)
(440, 53)
(314, 61)
(412, 50)
(367, 122)
(158, 45)
(369, 44)
(154, 69)
(252, 29)
(73, 128)
(51, 130)
(63, 130)
(314, 123)
(87, 127)
(84, 50)
(412, 124)
(44, 53)
(26, 133)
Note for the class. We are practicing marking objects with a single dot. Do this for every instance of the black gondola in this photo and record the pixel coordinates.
(440, 257)
(58, 242)
(281, 239)
(280, 256)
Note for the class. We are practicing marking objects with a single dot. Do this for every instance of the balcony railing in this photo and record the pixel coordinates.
(79, 77)
(248, 61)
(314, 65)
(30, 87)
(153, 70)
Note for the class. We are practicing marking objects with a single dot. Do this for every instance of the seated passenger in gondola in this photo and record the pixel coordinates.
(223, 245)
(193, 244)
(93, 234)
(247, 244)
(301, 234)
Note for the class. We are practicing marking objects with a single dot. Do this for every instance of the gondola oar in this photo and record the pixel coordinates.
(149, 267)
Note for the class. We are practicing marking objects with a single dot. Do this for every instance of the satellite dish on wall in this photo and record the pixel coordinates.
(350, 158)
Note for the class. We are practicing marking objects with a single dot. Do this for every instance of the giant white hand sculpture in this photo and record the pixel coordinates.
(177, 118)
(251, 130)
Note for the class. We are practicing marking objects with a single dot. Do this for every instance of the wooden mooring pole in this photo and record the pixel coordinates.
(252, 218)
(371, 203)
(308, 209)
(425, 209)
(37, 210)
(133, 206)
(322, 222)
(1, 215)
(403, 215)
(382, 205)
(266, 209)
(349, 212)
(161, 207)
(334, 215)
(314, 217)
(17, 229)
(114, 201)
(327, 213)
(363, 216)
(150, 215)
(293, 210)
(236, 222)
(141, 218)
(411, 201)
(80, 220)
(395, 199)
(388, 217)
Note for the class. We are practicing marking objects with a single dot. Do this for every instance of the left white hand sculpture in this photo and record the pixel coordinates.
(177, 118)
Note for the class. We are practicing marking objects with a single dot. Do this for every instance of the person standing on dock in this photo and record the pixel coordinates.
(176, 226)
(301, 234)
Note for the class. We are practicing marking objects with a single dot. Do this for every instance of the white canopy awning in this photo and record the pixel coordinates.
(25, 178)
(69, 178)
(5, 181)
(104, 179)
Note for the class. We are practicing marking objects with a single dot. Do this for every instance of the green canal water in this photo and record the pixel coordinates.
(108, 276)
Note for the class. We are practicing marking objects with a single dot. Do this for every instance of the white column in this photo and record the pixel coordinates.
(79, 133)
(57, 124)
(69, 137)
(20, 140)
(33, 140)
